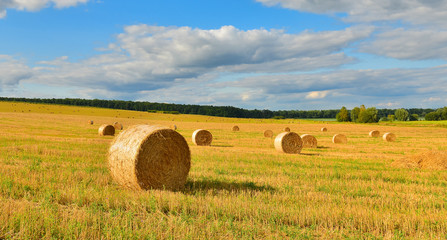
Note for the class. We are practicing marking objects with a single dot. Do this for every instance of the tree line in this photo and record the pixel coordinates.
(208, 110)
(371, 115)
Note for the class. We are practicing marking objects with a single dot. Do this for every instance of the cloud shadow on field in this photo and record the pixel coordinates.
(310, 154)
(322, 147)
(205, 186)
(222, 146)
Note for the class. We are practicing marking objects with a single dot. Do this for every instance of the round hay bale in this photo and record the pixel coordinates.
(174, 127)
(286, 129)
(339, 138)
(288, 142)
(118, 126)
(235, 128)
(90, 122)
(106, 130)
(201, 137)
(268, 133)
(150, 157)
(324, 129)
(374, 133)
(309, 141)
(389, 137)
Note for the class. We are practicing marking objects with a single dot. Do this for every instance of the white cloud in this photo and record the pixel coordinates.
(317, 95)
(35, 5)
(430, 13)
(13, 71)
(413, 44)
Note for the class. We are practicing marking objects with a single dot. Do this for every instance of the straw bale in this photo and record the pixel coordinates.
(339, 138)
(309, 141)
(389, 137)
(201, 137)
(288, 142)
(323, 129)
(374, 133)
(235, 128)
(286, 129)
(90, 122)
(106, 130)
(118, 126)
(268, 133)
(150, 157)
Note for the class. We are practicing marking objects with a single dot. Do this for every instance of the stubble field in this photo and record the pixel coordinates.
(54, 181)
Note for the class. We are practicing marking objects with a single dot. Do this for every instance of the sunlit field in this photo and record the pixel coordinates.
(55, 183)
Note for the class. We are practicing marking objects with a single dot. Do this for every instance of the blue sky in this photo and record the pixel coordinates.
(264, 54)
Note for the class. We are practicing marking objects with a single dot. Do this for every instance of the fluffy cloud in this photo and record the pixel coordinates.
(35, 5)
(433, 12)
(146, 58)
(13, 71)
(413, 44)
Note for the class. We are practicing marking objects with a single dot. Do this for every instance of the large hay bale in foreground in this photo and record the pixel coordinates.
(435, 160)
(118, 126)
(289, 142)
(286, 129)
(150, 157)
(389, 137)
(201, 137)
(309, 141)
(268, 133)
(374, 133)
(339, 138)
(106, 130)
(235, 128)
(323, 129)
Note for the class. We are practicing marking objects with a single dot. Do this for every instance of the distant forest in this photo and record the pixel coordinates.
(219, 111)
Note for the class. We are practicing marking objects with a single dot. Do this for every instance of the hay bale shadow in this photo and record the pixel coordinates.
(205, 186)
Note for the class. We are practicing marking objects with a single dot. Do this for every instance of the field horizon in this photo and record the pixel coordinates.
(55, 181)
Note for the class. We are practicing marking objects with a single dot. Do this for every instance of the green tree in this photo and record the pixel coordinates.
(343, 115)
(355, 114)
(401, 114)
(368, 115)
(432, 116)
(414, 117)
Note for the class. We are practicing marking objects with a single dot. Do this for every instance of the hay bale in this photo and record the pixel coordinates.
(389, 137)
(435, 160)
(91, 122)
(235, 128)
(106, 130)
(286, 129)
(268, 133)
(309, 141)
(150, 157)
(323, 129)
(118, 126)
(339, 138)
(173, 127)
(201, 137)
(374, 133)
(288, 142)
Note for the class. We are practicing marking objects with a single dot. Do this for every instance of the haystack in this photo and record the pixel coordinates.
(435, 160)
(389, 137)
(324, 129)
(374, 133)
(235, 128)
(106, 130)
(268, 133)
(150, 157)
(339, 138)
(201, 137)
(288, 142)
(91, 122)
(118, 126)
(309, 141)
(286, 129)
